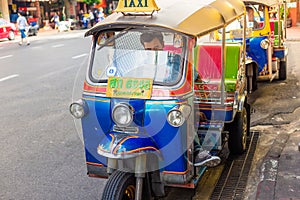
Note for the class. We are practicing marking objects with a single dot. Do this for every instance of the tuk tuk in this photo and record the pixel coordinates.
(266, 48)
(265, 40)
(143, 108)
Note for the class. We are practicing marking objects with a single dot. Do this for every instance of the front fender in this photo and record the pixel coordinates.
(123, 146)
(258, 54)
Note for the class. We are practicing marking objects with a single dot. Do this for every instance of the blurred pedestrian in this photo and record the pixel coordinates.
(85, 20)
(55, 19)
(101, 15)
(80, 18)
(96, 12)
(91, 18)
(22, 24)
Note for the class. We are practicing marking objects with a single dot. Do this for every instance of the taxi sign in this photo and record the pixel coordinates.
(135, 88)
(131, 6)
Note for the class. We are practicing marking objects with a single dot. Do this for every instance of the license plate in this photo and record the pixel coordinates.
(136, 88)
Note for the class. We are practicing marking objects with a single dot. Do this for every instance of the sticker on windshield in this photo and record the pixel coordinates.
(136, 88)
(111, 71)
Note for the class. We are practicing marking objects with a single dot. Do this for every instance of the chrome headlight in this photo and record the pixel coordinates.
(177, 116)
(264, 43)
(79, 108)
(122, 115)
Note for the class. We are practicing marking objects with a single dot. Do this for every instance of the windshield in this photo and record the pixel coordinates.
(255, 20)
(136, 53)
(255, 16)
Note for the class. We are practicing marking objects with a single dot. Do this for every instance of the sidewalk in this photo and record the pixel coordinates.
(293, 33)
(52, 34)
(50, 31)
(280, 171)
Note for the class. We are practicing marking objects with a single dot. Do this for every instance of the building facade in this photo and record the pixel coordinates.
(42, 11)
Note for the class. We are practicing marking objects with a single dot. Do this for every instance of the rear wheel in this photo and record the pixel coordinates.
(254, 79)
(238, 130)
(120, 186)
(248, 110)
(282, 70)
(11, 35)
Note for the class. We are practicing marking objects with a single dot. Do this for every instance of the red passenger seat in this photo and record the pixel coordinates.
(210, 61)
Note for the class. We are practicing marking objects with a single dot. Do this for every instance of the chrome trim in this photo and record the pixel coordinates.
(126, 156)
(242, 102)
(188, 95)
(128, 129)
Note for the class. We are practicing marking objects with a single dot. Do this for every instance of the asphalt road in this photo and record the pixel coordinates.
(42, 155)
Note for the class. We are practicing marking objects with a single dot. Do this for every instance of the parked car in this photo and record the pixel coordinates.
(7, 30)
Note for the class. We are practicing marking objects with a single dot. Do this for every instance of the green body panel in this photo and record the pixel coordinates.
(276, 33)
(232, 64)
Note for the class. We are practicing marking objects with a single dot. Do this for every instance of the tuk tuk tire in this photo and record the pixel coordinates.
(120, 185)
(282, 70)
(238, 133)
(254, 79)
(248, 110)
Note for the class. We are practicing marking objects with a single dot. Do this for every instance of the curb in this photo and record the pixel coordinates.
(293, 40)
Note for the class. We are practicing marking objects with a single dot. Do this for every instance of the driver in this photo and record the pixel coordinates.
(154, 41)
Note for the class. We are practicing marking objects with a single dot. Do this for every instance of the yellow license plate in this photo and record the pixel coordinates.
(136, 88)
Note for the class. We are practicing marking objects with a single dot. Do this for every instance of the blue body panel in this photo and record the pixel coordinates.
(279, 53)
(155, 133)
(257, 53)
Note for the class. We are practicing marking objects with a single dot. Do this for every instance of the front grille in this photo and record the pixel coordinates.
(129, 129)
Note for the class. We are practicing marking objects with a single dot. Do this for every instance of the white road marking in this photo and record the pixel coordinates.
(8, 56)
(58, 45)
(57, 72)
(9, 77)
(79, 56)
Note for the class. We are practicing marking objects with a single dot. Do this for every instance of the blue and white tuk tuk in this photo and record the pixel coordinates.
(142, 108)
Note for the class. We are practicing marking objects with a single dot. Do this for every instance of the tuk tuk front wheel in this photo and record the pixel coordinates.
(120, 186)
(238, 133)
(282, 70)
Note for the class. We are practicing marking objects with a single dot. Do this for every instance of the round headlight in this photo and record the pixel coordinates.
(264, 43)
(122, 115)
(77, 109)
(176, 118)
